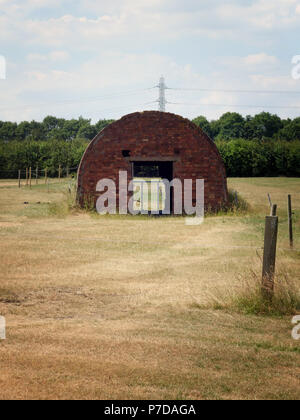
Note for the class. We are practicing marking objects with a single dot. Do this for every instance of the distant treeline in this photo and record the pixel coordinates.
(45, 145)
(19, 155)
(51, 128)
(254, 158)
(229, 126)
(262, 126)
(263, 145)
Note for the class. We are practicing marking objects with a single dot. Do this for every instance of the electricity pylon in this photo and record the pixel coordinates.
(162, 96)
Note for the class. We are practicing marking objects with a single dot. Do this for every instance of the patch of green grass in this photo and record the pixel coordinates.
(236, 203)
(251, 300)
(277, 348)
(248, 297)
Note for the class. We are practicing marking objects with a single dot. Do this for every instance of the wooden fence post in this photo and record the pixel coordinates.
(59, 172)
(48, 188)
(30, 177)
(273, 210)
(68, 172)
(46, 174)
(36, 175)
(270, 201)
(290, 213)
(269, 260)
(19, 178)
(26, 176)
(236, 198)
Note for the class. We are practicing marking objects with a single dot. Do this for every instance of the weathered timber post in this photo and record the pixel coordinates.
(59, 172)
(30, 177)
(36, 175)
(46, 174)
(290, 213)
(19, 178)
(273, 210)
(270, 201)
(236, 199)
(26, 176)
(269, 260)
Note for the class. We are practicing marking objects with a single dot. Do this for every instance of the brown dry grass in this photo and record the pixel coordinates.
(119, 307)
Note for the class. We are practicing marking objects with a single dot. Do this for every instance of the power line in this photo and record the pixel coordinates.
(79, 101)
(235, 106)
(284, 92)
(162, 100)
(123, 107)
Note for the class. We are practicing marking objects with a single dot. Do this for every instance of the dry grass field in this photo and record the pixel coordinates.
(122, 307)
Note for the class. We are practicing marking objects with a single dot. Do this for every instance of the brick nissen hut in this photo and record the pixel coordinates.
(153, 144)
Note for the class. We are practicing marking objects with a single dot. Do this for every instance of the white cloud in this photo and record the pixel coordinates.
(274, 82)
(262, 14)
(36, 57)
(260, 59)
(252, 63)
(59, 56)
(109, 70)
(83, 48)
(53, 56)
(146, 20)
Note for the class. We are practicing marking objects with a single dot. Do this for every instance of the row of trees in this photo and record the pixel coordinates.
(18, 155)
(244, 158)
(51, 128)
(262, 126)
(263, 145)
(229, 126)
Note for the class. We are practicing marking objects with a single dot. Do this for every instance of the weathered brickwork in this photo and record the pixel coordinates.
(154, 136)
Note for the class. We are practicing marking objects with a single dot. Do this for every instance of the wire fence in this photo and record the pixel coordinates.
(37, 173)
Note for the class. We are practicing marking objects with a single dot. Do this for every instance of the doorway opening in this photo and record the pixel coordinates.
(149, 188)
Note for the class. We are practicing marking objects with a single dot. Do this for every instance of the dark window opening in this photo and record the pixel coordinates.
(146, 171)
(126, 153)
(162, 170)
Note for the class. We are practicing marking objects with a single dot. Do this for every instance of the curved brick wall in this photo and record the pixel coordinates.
(157, 136)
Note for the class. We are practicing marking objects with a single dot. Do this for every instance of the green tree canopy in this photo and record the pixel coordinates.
(230, 126)
(203, 123)
(290, 131)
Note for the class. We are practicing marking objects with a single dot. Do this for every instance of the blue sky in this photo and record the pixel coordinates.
(98, 58)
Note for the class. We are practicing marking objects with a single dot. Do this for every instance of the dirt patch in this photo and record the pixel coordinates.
(8, 184)
(9, 224)
(8, 297)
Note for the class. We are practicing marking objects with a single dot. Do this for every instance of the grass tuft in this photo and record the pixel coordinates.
(286, 300)
(236, 203)
(248, 298)
(67, 205)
